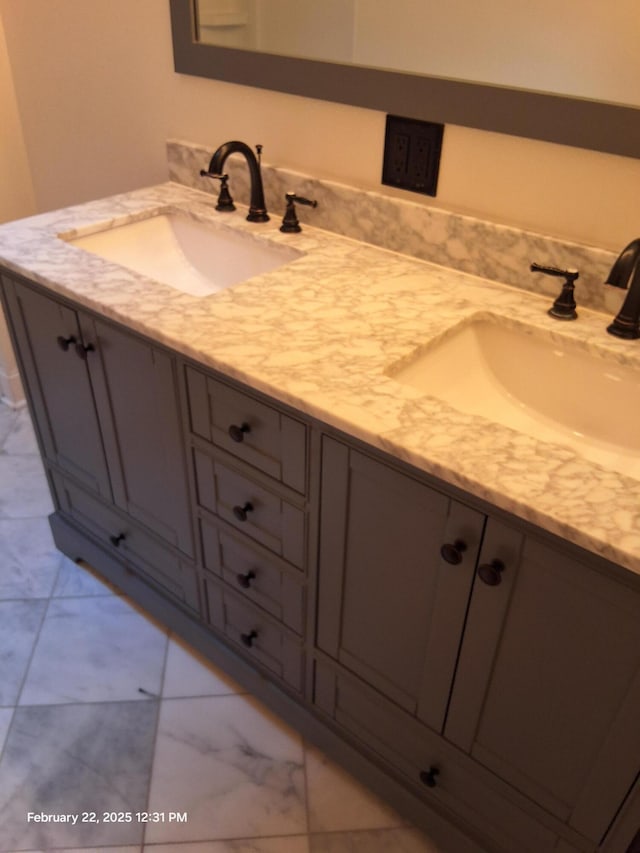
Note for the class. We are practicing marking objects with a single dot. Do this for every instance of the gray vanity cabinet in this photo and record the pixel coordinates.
(390, 607)
(490, 676)
(106, 406)
(547, 689)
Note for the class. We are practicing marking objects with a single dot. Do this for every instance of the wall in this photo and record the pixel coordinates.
(98, 97)
(16, 200)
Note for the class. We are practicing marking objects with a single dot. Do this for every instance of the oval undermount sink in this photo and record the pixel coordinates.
(198, 258)
(519, 377)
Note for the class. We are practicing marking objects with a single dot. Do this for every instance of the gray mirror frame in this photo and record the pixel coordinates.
(595, 125)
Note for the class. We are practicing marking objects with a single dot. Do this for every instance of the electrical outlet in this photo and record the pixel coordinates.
(412, 154)
(399, 155)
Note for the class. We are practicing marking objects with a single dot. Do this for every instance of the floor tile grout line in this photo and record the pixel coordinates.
(39, 517)
(60, 560)
(226, 840)
(75, 703)
(13, 429)
(306, 785)
(29, 662)
(33, 650)
(229, 839)
(251, 838)
(152, 763)
(12, 708)
(13, 417)
(21, 598)
(57, 575)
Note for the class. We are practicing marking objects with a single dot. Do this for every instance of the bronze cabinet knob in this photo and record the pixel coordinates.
(452, 552)
(491, 573)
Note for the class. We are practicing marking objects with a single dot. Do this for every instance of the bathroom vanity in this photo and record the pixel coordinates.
(449, 607)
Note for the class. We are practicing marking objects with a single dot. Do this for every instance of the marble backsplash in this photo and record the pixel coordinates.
(486, 249)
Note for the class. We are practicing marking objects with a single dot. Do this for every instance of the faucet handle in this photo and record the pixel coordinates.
(564, 308)
(570, 275)
(290, 223)
(225, 202)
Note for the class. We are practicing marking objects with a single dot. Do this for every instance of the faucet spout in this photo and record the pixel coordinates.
(257, 207)
(625, 273)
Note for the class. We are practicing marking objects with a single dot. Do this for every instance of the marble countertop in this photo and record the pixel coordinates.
(321, 334)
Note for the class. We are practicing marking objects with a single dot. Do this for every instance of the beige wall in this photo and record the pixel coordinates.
(16, 200)
(98, 97)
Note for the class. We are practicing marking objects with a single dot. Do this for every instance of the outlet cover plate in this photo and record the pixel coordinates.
(412, 154)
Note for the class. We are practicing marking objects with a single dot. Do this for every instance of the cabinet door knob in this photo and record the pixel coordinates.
(241, 512)
(116, 540)
(452, 553)
(237, 433)
(430, 777)
(65, 343)
(245, 580)
(83, 349)
(247, 639)
(491, 573)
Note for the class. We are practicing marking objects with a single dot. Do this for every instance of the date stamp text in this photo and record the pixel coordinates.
(107, 817)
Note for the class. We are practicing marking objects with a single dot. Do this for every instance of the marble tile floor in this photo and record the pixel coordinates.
(102, 710)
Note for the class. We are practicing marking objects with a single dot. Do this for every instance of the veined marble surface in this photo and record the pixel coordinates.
(321, 333)
(487, 249)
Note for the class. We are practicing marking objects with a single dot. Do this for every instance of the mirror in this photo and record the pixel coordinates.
(253, 47)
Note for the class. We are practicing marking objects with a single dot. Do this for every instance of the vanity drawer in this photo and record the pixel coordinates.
(255, 634)
(252, 509)
(443, 775)
(249, 429)
(252, 573)
(142, 552)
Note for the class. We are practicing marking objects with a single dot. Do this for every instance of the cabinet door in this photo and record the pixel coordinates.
(390, 608)
(547, 691)
(136, 393)
(58, 385)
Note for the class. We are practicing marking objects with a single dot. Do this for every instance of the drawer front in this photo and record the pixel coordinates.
(254, 432)
(133, 546)
(253, 574)
(413, 750)
(252, 509)
(254, 633)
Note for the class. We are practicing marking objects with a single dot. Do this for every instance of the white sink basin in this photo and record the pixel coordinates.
(522, 379)
(198, 258)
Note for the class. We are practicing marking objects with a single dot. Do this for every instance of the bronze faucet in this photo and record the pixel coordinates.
(625, 273)
(257, 207)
